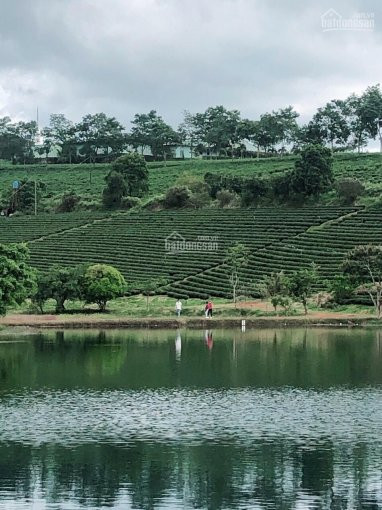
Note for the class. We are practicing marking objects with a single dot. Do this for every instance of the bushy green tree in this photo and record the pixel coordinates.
(17, 278)
(341, 288)
(133, 169)
(114, 191)
(313, 171)
(60, 284)
(102, 283)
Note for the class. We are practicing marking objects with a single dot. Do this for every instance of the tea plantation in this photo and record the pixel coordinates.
(140, 244)
(88, 180)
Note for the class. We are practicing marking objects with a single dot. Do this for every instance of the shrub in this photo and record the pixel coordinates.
(130, 202)
(176, 197)
(225, 198)
(349, 190)
(69, 202)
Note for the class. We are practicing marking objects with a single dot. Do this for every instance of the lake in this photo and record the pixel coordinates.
(264, 419)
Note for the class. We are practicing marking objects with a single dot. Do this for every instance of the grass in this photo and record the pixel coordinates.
(161, 306)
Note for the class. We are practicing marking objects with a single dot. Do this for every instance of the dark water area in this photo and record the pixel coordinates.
(269, 419)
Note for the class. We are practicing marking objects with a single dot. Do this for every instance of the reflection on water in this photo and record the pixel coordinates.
(202, 419)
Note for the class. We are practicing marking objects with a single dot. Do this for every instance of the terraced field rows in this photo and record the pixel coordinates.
(325, 245)
(26, 228)
(136, 242)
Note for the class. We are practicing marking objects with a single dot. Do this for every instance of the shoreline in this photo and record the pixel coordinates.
(56, 322)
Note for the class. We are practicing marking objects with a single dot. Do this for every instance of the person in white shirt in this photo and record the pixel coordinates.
(178, 307)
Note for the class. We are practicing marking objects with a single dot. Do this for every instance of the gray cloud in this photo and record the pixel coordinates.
(128, 56)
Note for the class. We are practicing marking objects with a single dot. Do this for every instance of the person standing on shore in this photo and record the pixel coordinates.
(206, 309)
(178, 307)
(209, 309)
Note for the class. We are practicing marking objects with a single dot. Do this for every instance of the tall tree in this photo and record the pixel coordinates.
(64, 134)
(332, 122)
(236, 259)
(218, 129)
(188, 133)
(150, 130)
(17, 278)
(101, 134)
(364, 112)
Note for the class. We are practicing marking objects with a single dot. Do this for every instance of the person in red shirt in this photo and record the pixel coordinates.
(209, 309)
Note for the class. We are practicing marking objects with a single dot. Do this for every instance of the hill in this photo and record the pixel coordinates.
(88, 180)
(187, 248)
(141, 243)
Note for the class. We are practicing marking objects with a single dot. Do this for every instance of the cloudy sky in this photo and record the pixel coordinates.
(129, 56)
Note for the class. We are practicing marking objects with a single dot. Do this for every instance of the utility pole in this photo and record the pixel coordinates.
(35, 197)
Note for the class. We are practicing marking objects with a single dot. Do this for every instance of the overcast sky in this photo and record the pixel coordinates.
(128, 56)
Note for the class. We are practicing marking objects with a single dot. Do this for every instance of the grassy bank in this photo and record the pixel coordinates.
(133, 312)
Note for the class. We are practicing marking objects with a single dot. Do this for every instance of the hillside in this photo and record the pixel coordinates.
(139, 244)
(88, 180)
(135, 242)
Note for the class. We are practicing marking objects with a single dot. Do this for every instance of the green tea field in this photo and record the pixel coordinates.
(142, 245)
(88, 180)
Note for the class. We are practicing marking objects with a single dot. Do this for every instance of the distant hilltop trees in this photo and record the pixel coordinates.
(341, 124)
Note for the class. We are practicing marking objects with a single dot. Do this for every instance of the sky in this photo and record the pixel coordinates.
(130, 56)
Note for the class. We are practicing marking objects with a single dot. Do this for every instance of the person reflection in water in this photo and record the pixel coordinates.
(208, 339)
(178, 345)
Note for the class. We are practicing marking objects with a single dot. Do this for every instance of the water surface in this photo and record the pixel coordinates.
(164, 419)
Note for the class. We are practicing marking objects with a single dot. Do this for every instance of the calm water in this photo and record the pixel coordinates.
(286, 419)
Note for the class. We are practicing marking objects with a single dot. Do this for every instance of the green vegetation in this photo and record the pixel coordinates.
(101, 283)
(87, 181)
(17, 278)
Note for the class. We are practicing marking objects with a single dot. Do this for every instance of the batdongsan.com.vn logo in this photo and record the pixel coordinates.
(331, 20)
(176, 243)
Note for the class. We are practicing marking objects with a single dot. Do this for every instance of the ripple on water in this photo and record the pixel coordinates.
(73, 417)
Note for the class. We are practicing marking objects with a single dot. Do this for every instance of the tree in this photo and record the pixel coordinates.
(237, 257)
(363, 266)
(102, 283)
(341, 288)
(60, 284)
(133, 169)
(148, 288)
(187, 132)
(64, 135)
(363, 113)
(313, 172)
(150, 130)
(275, 287)
(99, 133)
(332, 122)
(218, 129)
(47, 142)
(349, 190)
(301, 283)
(114, 191)
(17, 278)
